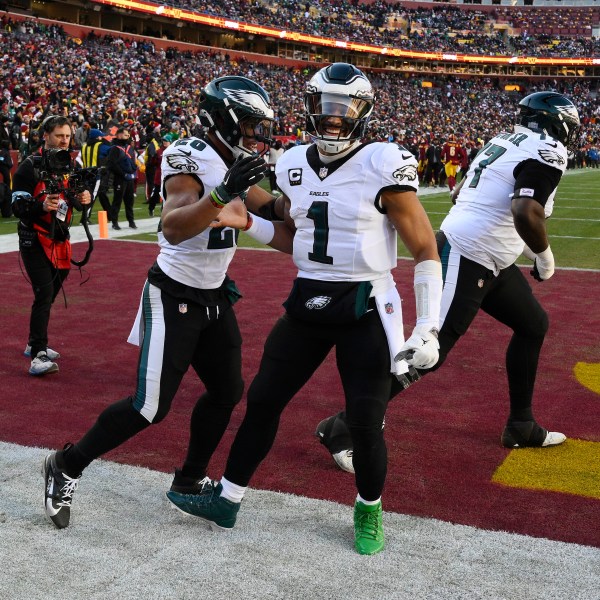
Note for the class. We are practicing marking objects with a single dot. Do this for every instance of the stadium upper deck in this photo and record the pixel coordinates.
(471, 40)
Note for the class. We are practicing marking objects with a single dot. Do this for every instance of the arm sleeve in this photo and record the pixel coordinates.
(535, 180)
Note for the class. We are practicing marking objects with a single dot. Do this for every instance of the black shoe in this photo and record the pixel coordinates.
(335, 436)
(132, 225)
(528, 434)
(151, 212)
(190, 485)
(116, 225)
(58, 493)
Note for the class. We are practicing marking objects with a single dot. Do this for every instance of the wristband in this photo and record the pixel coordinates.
(260, 229)
(215, 201)
(248, 223)
(428, 292)
(220, 197)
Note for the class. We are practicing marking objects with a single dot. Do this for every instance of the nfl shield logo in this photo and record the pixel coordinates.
(480, 283)
(389, 308)
(323, 172)
(183, 308)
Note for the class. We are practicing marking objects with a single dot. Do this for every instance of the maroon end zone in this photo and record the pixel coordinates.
(443, 434)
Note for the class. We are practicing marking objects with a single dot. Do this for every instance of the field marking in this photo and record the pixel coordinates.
(568, 469)
(553, 220)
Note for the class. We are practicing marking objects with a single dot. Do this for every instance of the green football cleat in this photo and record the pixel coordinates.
(209, 506)
(368, 528)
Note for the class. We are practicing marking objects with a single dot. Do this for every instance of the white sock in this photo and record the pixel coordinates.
(368, 502)
(231, 491)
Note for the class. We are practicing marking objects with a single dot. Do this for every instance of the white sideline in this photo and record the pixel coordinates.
(124, 543)
(10, 241)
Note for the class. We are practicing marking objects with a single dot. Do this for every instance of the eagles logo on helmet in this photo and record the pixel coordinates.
(552, 114)
(235, 108)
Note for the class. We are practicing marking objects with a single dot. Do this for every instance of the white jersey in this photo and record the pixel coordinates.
(202, 261)
(481, 224)
(342, 234)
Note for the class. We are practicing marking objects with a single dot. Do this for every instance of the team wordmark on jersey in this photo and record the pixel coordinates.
(295, 176)
(550, 156)
(181, 162)
(406, 172)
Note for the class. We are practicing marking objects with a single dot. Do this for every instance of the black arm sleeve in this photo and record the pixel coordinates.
(535, 180)
(268, 212)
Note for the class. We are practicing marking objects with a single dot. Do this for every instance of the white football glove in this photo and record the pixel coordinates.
(421, 349)
(543, 267)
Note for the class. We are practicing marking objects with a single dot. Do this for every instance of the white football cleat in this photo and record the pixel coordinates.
(554, 438)
(343, 460)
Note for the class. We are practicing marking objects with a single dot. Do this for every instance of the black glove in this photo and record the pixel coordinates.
(243, 173)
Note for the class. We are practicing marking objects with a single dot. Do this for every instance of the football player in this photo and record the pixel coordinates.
(345, 202)
(500, 212)
(185, 316)
(453, 157)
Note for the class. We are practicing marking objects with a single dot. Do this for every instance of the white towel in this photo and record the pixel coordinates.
(389, 306)
(136, 334)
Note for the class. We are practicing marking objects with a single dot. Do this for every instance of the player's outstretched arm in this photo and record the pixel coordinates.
(408, 216)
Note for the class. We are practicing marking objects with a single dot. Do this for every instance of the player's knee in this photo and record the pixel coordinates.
(123, 417)
(535, 327)
(228, 395)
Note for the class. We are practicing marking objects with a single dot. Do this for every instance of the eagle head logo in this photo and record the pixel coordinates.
(550, 156)
(181, 162)
(406, 172)
(317, 302)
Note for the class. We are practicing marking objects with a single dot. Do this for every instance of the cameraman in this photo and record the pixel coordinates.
(44, 234)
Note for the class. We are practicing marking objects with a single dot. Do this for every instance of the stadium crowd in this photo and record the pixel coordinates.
(444, 27)
(107, 82)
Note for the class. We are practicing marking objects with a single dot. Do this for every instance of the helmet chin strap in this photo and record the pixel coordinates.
(240, 151)
(334, 147)
(237, 150)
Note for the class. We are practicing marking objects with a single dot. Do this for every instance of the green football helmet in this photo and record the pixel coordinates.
(553, 114)
(235, 108)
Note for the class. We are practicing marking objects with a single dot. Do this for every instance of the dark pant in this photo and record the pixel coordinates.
(175, 338)
(46, 281)
(154, 198)
(150, 173)
(124, 192)
(103, 193)
(508, 298)
(293, 351)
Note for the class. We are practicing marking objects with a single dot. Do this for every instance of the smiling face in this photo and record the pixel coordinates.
(253, 130)
(338, 104)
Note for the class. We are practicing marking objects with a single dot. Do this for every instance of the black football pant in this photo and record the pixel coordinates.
(177, 334)
(508, 298)
(46, 281)
(293, 351)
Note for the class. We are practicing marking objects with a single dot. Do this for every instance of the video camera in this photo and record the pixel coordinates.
(61, 176)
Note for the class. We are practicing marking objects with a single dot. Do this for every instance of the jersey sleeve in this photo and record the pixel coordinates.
(398, 168)
(536, 181)
(185, 157)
